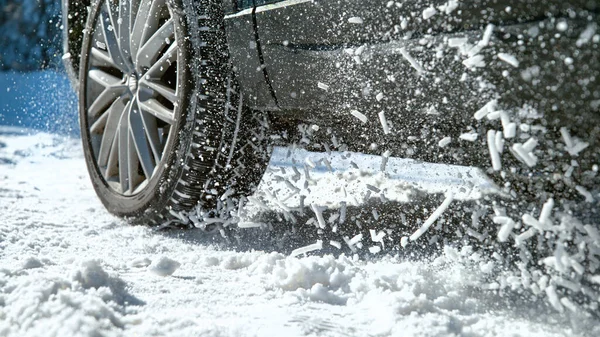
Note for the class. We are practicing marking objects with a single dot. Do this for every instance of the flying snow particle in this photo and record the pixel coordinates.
(508, 225)
(508, 58)
(433, 217)
(486, 109)
(553, 298)
(585, 193)
(359, 115)
(475, 61)
(586, 35)
(573, 146)
(494, 153)
(336, 244)
(469, 136)
(411, 60)
(449, 6)
(429, 12)
(307, 249)
(457, 41)
(323, 86)
(444, 141)
(319, 214)
(487, 35)
(384, 123)
(356, 20)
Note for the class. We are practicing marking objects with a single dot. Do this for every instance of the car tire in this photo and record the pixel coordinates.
(173, 134)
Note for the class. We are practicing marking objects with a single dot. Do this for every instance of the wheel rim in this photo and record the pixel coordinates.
(132, 91)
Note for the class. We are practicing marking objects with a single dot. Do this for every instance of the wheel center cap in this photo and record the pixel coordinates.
(132, 83)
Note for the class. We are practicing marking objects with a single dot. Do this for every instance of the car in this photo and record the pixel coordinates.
(180, 101)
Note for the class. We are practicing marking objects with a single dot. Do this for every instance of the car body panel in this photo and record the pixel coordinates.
(303, 39)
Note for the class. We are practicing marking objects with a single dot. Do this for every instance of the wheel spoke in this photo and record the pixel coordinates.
(158, 69)
(161, 89)
(99, 124)
(112, 164)
(132, 164)
(124, 33)
(124, 152)
(153, 107)
(149, 51)
(103, 101)
(151, 128)
(139, 133)
(112, 44)
(110, 131)
(146, 23)
(102, 59)
(105, 79)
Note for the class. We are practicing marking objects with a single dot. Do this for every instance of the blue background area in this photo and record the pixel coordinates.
(41, 100)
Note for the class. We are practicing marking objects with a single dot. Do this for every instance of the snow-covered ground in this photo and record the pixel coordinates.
(68, 268)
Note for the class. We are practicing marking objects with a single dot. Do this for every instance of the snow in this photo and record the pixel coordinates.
(359, 115)
(384, 124)
(510, 59)
(411, 60)
(432, 218)
(444, 141)
(69, 268)
(356, 20)
(429, 12)
(163, 266)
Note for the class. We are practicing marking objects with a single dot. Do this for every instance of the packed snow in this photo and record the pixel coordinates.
(69, 268)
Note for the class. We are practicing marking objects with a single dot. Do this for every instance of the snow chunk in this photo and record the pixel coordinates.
(486, 109)
(508, 58)
(546, 212)
(586, 36)
(91, 275)
(384, 123)
(444, 141)
(335, 244)
(573, 145)
(523, 155)
(469, 136)
(411, 60)
(140, 262)
(320, 293)
(487, 35)
(433, 217)
(359, 115)
(429, 12)
(494, 153)
(356, 20)
(448, 7)
(457, 41)
(319, 214)
(553, 298)
(585, 193)
(163, 266)
(507, 226)
(307, 249)
(475, 61)
(323, 86)
(32, 263)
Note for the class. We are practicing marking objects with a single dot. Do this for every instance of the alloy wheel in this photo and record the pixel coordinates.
(132, 91)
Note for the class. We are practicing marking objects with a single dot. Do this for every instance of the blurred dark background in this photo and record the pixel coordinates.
(30, 32)
(34, 89)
